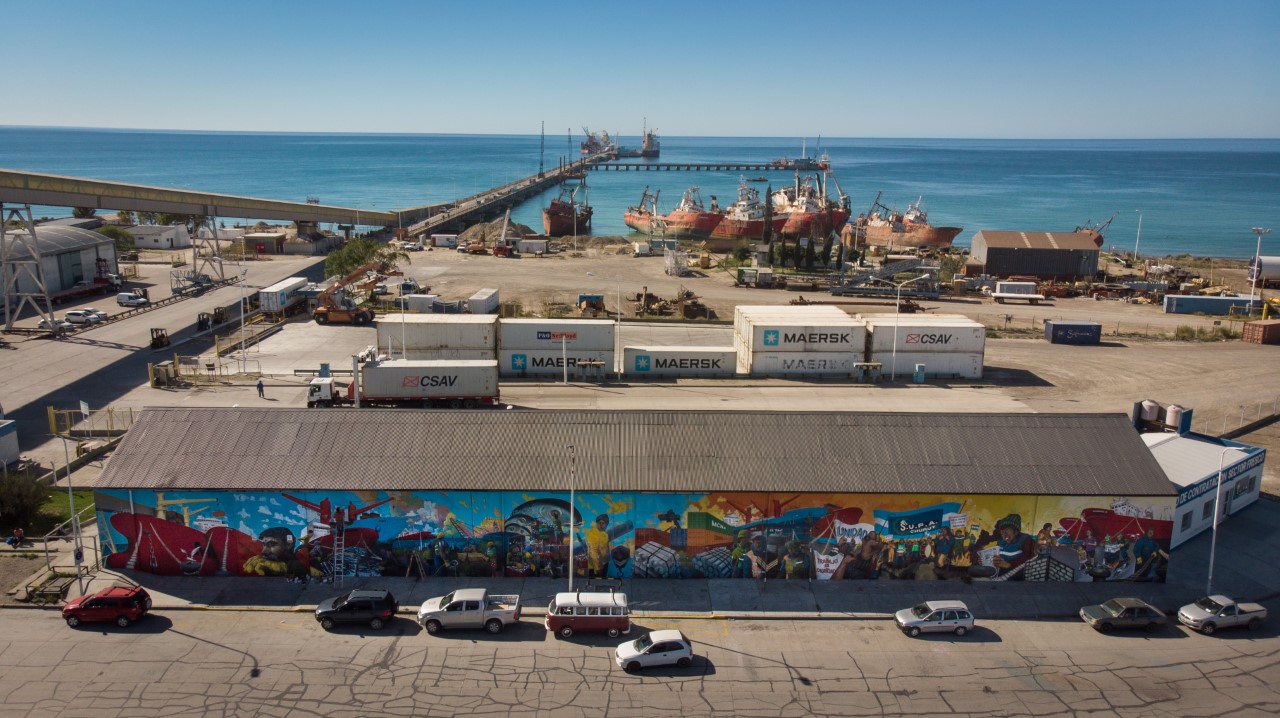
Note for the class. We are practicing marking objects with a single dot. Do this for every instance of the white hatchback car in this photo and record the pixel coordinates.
(945, 616)
(58, 325)
(101, 315)
(656, 648)
(80, 316)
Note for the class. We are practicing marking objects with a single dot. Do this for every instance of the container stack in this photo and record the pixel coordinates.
(438, 336)
(805, 341)
(679, 361)
(949, 346)
(531, 347)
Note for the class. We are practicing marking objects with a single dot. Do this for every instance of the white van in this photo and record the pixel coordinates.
(129, 299)
(589, 612)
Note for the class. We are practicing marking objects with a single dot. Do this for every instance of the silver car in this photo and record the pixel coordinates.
(944, 616)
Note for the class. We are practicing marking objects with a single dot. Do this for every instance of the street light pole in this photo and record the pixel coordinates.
(897, 309)
(1217, 511)
(1257, 263)
(244, 360)
(573, 476)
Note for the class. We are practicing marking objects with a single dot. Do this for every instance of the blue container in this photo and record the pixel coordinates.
(1057, 331)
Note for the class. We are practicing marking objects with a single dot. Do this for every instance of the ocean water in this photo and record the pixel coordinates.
(1198, 197)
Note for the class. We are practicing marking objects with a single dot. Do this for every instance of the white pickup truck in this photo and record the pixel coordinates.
(469, 608)
(1214, 612)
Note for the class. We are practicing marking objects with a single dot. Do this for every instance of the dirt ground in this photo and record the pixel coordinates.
(16, 567)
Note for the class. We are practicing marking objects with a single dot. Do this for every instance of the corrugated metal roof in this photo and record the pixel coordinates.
(654, 451)
(57, 239)
(1189, 459)
(1037, 240)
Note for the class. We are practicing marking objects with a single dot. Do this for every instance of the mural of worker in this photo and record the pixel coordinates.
(597, 541)
(1013, 548)
(1148, 553)
(278, 556)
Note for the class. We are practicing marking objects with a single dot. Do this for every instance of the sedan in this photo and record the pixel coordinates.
(657, 648)
(80, 316)
(1123, 613)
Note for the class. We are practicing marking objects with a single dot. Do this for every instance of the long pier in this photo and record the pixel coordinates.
(685, 167)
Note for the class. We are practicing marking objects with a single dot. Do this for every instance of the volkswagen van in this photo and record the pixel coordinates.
(589, 612)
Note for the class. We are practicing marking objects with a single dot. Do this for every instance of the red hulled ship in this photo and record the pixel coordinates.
(566, 216)
(689, 220)
(743, 220)
(885, 227)
(810, 212)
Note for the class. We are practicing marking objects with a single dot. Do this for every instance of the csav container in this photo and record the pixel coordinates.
(1059, 331)
(438, 331)
(937, 365)
(574, 334)
(533, 362)
(400, 380)
(679, 361)
(918, 334)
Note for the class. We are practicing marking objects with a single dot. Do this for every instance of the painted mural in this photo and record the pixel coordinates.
(312, 536)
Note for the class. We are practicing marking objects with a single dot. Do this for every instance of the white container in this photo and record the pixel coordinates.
(484, 301)
(679, 361)
(810, 364)
(577, 334)
(802, 334)
(446, 354)
(281, 295)
(419, 303)
(534, 362)
(531, 246)
(444, 240)
(438, 331)
(399, 380)
(924, 334)
(937, 365)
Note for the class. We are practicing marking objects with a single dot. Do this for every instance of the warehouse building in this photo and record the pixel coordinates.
(156, 236)
(829, 496)
(68, 255)
(1047, 255)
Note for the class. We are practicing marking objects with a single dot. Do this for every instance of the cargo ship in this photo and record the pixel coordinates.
(565, 216)
(884, 227)
(596, 142)
(803, 163)
(689, 220)
(649, 147)
(810, 211)
(743, 220)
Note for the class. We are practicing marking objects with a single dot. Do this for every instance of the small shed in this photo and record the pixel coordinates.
(159, 236)
(265, 242)
(1047, 255)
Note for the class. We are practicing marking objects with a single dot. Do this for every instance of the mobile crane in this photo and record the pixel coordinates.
(342, 309)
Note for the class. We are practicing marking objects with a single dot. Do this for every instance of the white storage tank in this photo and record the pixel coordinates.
(679, 361)
(923, 333)
(937, 365)
(438, 331)
(1150, 410)
(535, 362)
(484, 301)
(574, 334)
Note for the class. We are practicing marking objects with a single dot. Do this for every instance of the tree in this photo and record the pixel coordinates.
(742, 252)
(766, 234)
(826, 245)
(123, 240)
(21, 496)
(166, 219)
(145, 217)
(195, 222)
(810, 254)
(83, 212)
(124, 216)
(361, 251)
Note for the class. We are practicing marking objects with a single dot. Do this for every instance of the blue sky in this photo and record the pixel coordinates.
(996, 69)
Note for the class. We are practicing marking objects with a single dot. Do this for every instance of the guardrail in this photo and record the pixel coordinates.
(150, 306)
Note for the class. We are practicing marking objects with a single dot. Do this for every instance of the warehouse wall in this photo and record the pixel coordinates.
(696, 535)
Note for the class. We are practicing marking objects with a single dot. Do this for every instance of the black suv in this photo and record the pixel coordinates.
(373, 607)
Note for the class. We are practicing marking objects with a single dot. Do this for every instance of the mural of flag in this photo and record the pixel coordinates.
(918, 523)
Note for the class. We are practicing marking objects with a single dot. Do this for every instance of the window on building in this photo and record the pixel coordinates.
(1208, 510)
(1186, 521)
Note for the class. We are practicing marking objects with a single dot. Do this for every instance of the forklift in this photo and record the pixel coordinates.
(159, 338)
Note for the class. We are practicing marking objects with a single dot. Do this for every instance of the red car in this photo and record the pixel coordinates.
(120, 604)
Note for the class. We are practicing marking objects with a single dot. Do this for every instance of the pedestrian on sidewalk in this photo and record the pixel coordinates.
(261, 393)
(18, 537)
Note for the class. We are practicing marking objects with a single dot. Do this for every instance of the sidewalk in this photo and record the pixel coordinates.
(1247, 541)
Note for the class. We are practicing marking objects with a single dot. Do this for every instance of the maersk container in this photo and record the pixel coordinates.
(803, 364)
(484, 301)
(280, 296)
(1059, 331)
(645, 361)
(937, 365)
(925, 334)
(743, 313)
(575, 334)
(534, 362)
(801, 334)
(401, 380)
(438, 331)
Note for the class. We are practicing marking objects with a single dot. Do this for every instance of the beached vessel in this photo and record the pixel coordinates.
(810, 211)
(884, 227)
(689, 220)
(743, 220)
(566, 216)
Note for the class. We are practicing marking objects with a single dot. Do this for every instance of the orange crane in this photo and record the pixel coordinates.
(332, 308)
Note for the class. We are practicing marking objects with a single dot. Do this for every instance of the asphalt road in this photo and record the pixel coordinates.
(277, 664)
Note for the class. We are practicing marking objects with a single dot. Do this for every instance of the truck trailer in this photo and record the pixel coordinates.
(454, 383)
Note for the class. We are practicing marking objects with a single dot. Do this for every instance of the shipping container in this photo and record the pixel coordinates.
(1263, 332)
(575, 334)
(484, 301)
(531, 246)
(445, 354)
(444, 240)
(937, 365)
(438, 331)
(798, 364)
(398, 381)
(924, 333)
(1058, 331)
(1215, 306)
(801, 334)
(283, 294)
(705, 521)
(532, 362)
(417, 303)
(679, 361)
